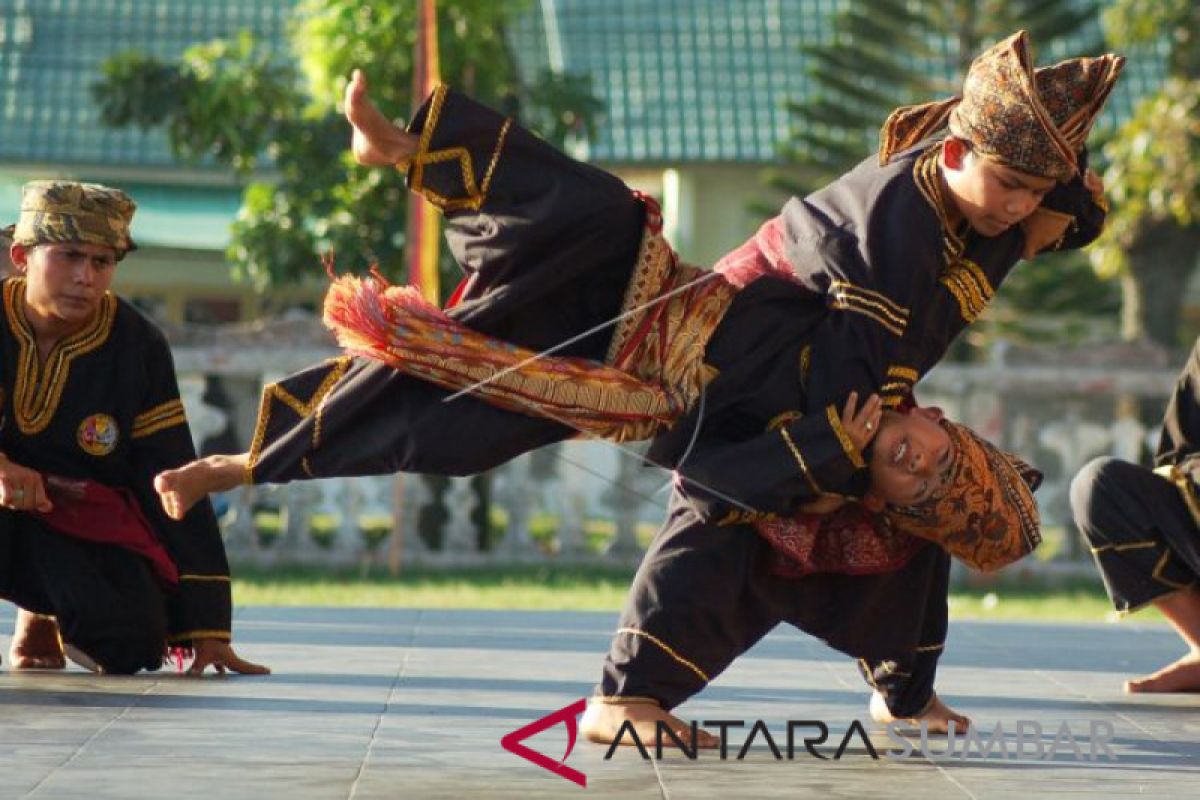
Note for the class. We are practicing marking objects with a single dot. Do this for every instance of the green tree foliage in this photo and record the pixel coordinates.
(1153, 177)
(273, 118)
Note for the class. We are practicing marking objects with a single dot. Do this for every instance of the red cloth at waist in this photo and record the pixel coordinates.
(97, 513)
(849, 541)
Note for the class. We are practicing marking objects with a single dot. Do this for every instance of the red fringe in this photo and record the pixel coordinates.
(363, 312)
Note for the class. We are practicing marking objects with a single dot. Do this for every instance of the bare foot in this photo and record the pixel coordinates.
(602, 722)
(937, 716)
(376, 141)
(180, 489)
(1180, 676)
(36, 643)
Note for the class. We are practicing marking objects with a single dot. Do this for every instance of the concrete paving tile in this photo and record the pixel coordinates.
(181, 777)
(389, 703)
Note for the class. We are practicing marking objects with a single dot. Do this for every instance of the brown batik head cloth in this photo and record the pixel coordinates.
(69, 211)
(1032, 120)
(986, 515)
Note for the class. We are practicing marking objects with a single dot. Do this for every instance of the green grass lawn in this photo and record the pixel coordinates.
(603, 589)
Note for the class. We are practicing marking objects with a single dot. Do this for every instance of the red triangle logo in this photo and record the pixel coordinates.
(512, 741)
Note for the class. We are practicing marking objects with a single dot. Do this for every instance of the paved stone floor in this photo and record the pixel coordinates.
(405, 703)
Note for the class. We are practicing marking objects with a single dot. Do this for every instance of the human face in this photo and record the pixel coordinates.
(990, 196)
(65, 282)
(912, 457)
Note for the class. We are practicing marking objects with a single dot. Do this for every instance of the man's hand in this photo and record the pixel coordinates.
(21, 488)
(861, 425)
(219, 655)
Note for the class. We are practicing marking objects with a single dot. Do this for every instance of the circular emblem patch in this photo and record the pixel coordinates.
(98, 434)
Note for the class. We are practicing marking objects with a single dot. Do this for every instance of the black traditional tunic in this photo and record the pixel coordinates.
(105, 407)
(1144, 525)
(879, 242)
(876, 245)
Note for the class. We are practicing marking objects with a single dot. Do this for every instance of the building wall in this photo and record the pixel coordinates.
(706, 207)
(196, 286)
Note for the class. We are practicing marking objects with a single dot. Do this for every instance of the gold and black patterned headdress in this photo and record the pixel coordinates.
(1033, 120)
(986, 515)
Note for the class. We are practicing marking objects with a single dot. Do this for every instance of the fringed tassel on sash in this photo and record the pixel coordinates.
(397, 326)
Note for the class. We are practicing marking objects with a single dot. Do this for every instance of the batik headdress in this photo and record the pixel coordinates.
(69, 211)
(985, 515)
(1033, 120)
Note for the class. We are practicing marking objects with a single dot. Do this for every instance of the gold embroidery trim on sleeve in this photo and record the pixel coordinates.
(969, 285)
(787, 438)
(474, 196)
(848, 297)
(737, 516)
(273, 393)
(1161, 566)
(805, 362)
(779, 420)
(166, 415)
(851, 451)
(1120, 548)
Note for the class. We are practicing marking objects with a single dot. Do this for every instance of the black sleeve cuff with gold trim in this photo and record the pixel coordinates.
(461, 145)
(777, 472)
(1087, 214)
(821, 450)
(289, 423)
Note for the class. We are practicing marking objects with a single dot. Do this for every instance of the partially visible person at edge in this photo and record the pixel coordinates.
(1144, 529)
(909, 250)
(89, 413)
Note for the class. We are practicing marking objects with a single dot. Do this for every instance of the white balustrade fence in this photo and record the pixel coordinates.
(590, 502)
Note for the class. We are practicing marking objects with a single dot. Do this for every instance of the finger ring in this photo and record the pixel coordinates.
(870, 425)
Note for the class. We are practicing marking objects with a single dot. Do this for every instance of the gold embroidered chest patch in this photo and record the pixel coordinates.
(98, 435)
